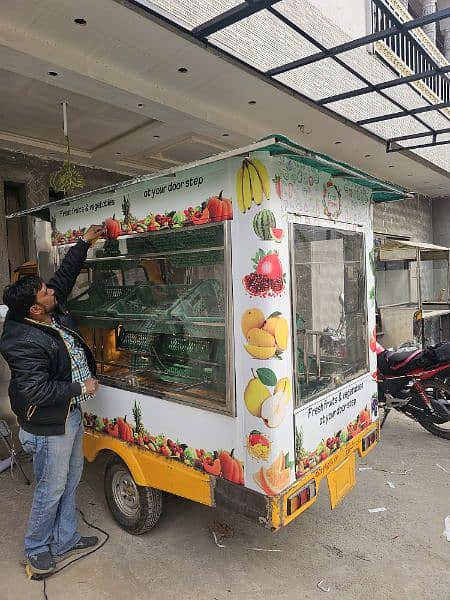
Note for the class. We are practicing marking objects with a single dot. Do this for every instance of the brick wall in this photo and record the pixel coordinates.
(406, 218)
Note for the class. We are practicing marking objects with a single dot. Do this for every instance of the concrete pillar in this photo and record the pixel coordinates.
(428, 8)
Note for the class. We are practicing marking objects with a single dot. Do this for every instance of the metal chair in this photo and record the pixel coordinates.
(6, 437)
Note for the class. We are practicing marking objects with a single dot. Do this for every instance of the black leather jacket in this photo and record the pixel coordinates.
(41, 386)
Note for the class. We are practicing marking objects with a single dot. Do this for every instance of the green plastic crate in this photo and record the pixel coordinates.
(149, 299)
(187, 238)
(97, 299)
(198, 259)
(205, 300)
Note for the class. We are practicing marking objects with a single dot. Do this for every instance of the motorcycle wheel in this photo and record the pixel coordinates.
(434, 423)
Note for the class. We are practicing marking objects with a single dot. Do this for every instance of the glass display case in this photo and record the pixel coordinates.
(331, 308)
(154, 308)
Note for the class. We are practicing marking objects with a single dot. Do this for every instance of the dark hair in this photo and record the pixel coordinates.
(20, 296)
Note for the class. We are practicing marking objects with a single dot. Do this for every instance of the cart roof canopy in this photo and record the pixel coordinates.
(276, 145)
(409, 250)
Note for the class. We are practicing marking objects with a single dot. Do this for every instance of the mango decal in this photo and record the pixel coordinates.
(265, 338)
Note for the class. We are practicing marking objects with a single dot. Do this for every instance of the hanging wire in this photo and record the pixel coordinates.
(68, 177)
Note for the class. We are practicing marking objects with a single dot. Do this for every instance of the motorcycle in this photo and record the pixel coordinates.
(416, 383)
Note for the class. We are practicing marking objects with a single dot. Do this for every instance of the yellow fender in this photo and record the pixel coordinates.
(152, 470)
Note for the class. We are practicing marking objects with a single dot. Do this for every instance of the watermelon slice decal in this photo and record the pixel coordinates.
(276, 234)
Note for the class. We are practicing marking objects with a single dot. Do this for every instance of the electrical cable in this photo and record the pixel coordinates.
(52, 573)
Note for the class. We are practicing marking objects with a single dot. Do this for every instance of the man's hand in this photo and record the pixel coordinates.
(91, 386)
(93, 233)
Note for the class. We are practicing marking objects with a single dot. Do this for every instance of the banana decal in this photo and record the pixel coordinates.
(252, 184)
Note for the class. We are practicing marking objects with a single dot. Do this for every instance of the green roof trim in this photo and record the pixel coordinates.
(382, 191)
(276, 145)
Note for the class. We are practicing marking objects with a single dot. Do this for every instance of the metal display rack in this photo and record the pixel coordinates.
(171, 333)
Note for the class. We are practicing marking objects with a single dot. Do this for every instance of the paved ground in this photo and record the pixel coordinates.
(394, 555)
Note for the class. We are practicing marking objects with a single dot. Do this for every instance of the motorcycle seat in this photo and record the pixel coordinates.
(397, 362)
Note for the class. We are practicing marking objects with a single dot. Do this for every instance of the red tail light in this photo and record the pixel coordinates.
(369, 439)
(301, 497)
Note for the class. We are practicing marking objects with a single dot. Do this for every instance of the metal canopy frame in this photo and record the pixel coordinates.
(393, 145)
(277, 145)
(430, 71)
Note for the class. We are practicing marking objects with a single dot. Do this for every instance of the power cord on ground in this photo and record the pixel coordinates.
(18, 459)
(45, 577)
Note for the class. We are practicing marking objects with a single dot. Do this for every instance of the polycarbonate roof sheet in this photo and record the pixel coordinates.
(192, 13)
(436, 119)
(264, 41)
(373, 105)
(396, 127)
(309, 80)
(304, 15)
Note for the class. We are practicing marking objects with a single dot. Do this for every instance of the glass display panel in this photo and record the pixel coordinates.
(330, 307)
(153, 308)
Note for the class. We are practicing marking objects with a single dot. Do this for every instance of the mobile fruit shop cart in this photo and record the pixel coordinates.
(230, 311)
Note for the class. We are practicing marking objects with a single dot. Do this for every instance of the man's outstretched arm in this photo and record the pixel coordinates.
(64, 278)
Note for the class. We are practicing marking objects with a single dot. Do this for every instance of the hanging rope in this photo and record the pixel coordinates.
(68, 178)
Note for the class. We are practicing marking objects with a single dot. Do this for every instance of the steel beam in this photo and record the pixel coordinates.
(405, 113)
(414, 136)
(389, 149)
(377, 87)
(362, 41)
(231, 16)
(341, 63)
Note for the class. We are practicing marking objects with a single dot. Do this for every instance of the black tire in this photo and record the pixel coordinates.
(435, 424)
(136, 509)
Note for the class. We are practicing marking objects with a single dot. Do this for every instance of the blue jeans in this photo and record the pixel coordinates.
(57, 465)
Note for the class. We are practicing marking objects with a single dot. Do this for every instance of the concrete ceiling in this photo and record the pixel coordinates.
(132, 111)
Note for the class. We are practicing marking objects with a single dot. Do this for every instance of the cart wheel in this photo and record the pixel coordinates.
(136, 509)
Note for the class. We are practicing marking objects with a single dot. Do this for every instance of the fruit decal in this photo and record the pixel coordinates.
(265, 226)
(214, 209)
(331, 200)
(252, 184)
(275, 478)
(374, 345)
(232, 469)
(112, 227)
(263, 222)
(278, 186)
(220, 209)
(266, 337)
(262, 403)
(268, 278)
(258, 445)
(218, 463)
(129, 222)
(306, 461)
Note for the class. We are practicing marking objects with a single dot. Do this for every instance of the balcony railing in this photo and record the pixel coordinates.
(410, 52)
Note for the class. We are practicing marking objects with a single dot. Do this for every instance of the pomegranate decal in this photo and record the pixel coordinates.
(268, 278)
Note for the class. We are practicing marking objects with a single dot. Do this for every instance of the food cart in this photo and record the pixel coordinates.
(229, 309)
(413, 293)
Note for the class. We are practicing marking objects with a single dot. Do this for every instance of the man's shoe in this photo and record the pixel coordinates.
(84, 543)
(41, 563)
